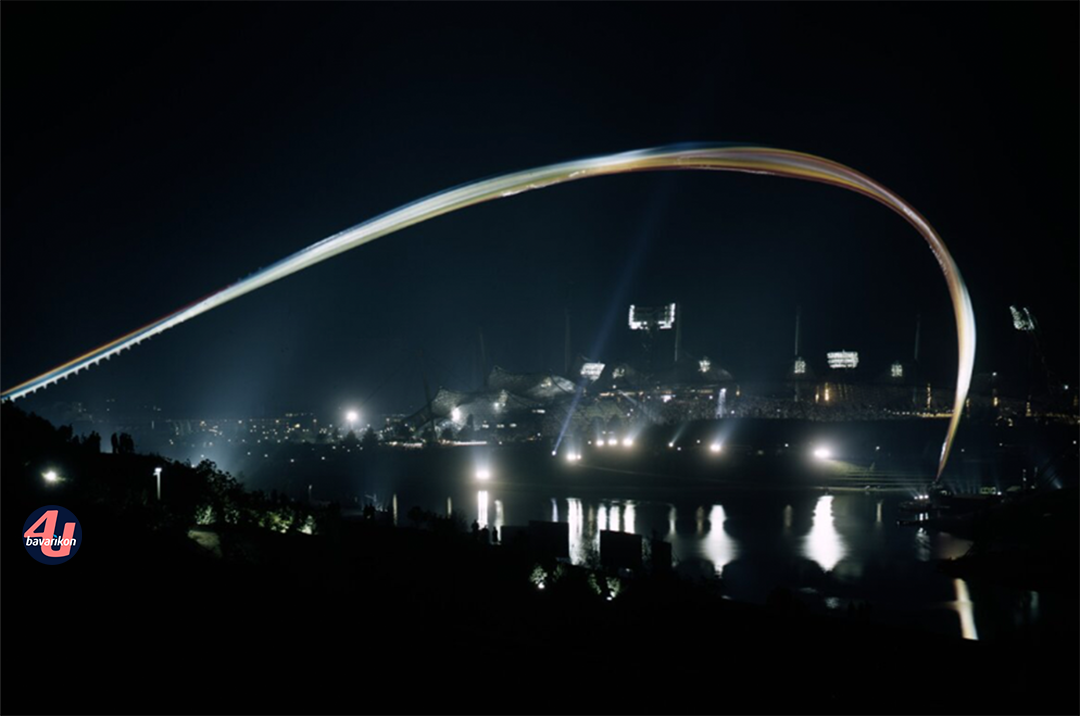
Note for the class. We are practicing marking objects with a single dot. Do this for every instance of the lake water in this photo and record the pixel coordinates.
(836, 551)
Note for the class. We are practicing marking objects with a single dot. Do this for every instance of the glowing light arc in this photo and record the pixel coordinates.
(746, 159)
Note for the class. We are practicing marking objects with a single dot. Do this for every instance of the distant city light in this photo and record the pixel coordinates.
(843, 359)
(897, 370)
(704, 365)
(822, 453)
(800, 366)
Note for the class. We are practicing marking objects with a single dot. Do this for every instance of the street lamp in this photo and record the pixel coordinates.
(157, 474)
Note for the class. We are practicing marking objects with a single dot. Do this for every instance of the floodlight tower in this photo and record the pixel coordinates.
(1025, 322)
(649, 320)
(798, 366)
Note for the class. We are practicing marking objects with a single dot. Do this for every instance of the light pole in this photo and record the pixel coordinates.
(157, 474)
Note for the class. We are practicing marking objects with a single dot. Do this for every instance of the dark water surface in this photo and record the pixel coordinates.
(838, 549)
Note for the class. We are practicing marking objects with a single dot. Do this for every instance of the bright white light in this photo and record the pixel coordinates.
(612, 441)
(843, 359)
(897, 370)
(352, 416)
(50, 476)
(822, 453)
(704, 365)
(592, 371)
(671, 445)
(800, 366)
(716, 447)
(483, 474)
(627, 442)
(649, 318)
(455, 415)
(1022, 319)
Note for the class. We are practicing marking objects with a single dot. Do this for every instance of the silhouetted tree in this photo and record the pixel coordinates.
(351, 441)
(370, 440)
(115, 444)
(92, 442)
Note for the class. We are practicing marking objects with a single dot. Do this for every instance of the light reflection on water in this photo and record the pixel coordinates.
(965, 609)
(585, 527)
(575, 516)
(720, 549)
(757, 542)
(824, 544)
(482, 508)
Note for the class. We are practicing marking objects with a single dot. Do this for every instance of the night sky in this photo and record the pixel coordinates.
(153, 153)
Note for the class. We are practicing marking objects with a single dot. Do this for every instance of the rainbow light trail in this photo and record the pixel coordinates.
(715, 157)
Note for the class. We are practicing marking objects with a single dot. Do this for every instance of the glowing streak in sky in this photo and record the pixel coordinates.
(747, 159)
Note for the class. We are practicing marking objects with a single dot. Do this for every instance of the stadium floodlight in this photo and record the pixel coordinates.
(843, 359)
(645, 318)
(1022, 319)
(592, 371)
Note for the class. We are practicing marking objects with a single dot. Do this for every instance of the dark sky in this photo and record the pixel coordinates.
(153, 153)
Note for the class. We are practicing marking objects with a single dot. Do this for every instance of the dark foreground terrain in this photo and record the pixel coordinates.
(364, 617)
